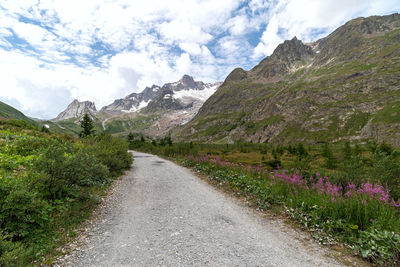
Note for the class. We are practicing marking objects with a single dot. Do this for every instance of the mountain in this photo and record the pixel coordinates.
(183, 94)
(132, 102)
(76, 110)
(8, 112)
(154, 111)
(172, 105)
(343, 86)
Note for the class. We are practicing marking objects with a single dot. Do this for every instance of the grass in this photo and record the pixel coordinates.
(9, 112)
(389, 114)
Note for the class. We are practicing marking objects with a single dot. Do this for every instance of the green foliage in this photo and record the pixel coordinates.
(47, 183)
(385, 169)
(130, 138)
(330, 161)
(347, 151)
(301, 150)
(389, 114)
(64, 168)
(13, 253)
(113, 153)
(44, 129)
(380, 246)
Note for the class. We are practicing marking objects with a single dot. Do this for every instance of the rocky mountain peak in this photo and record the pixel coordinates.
(292, 51)
(188, 81)
(185, 83)
(286, 56)
(77, 110)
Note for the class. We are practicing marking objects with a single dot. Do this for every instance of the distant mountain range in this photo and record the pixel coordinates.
(345, 86)
(154, 111)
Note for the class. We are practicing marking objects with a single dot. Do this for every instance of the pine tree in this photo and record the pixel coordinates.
(87, 126)
(131, 138)
(330, 161)
(347, 151)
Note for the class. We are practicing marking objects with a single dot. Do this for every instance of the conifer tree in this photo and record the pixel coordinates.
(87, 126)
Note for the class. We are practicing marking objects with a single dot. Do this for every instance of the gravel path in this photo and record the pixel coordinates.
(160, 214)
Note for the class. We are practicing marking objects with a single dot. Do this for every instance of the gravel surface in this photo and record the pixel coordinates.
(160, 214)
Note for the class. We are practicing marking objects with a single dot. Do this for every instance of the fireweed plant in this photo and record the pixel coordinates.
(361, 216)
(348, 193)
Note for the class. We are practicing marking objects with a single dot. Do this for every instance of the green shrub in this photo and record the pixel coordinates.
(13, 253)
(22, 213)
(63, 171)
(49, 183)
(112, 152)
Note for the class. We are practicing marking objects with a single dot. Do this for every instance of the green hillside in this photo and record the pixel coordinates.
(8, 112)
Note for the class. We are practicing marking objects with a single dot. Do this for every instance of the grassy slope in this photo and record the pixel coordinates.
(9, 112)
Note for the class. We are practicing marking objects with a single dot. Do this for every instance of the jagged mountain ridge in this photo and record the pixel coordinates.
(132, 102)
(154, 111)
(76, 110)
(344, 86)
(183, 94)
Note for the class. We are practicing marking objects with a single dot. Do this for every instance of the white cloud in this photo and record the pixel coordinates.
(289, 18)
(191, 47)
(180, 30)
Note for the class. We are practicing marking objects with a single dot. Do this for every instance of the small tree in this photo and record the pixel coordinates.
(131, 138)
(347, 151)
(330, 161)
(87, 126)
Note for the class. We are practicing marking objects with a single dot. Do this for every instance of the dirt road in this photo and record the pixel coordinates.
(160, 214)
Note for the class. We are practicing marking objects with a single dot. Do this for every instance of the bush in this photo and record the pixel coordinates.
(112, 152)
(63, 171)
(13, 253)
(22, 213)
(48, 184)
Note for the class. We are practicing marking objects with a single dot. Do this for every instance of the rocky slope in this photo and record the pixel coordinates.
(154, 111)
(76, 110)
(183, 94)
(174, 104)
(132, 102)
(344, 86)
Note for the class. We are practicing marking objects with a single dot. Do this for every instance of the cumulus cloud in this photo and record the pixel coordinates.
(53, 51)
(309, 20)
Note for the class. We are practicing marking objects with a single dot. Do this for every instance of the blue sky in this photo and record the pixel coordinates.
(54, 51)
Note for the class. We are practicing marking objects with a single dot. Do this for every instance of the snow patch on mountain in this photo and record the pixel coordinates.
(202, 95)
(141, 105)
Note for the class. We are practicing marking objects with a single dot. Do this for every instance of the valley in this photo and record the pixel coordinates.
(309, 135)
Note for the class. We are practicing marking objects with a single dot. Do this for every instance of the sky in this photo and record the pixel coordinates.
(55, 51)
